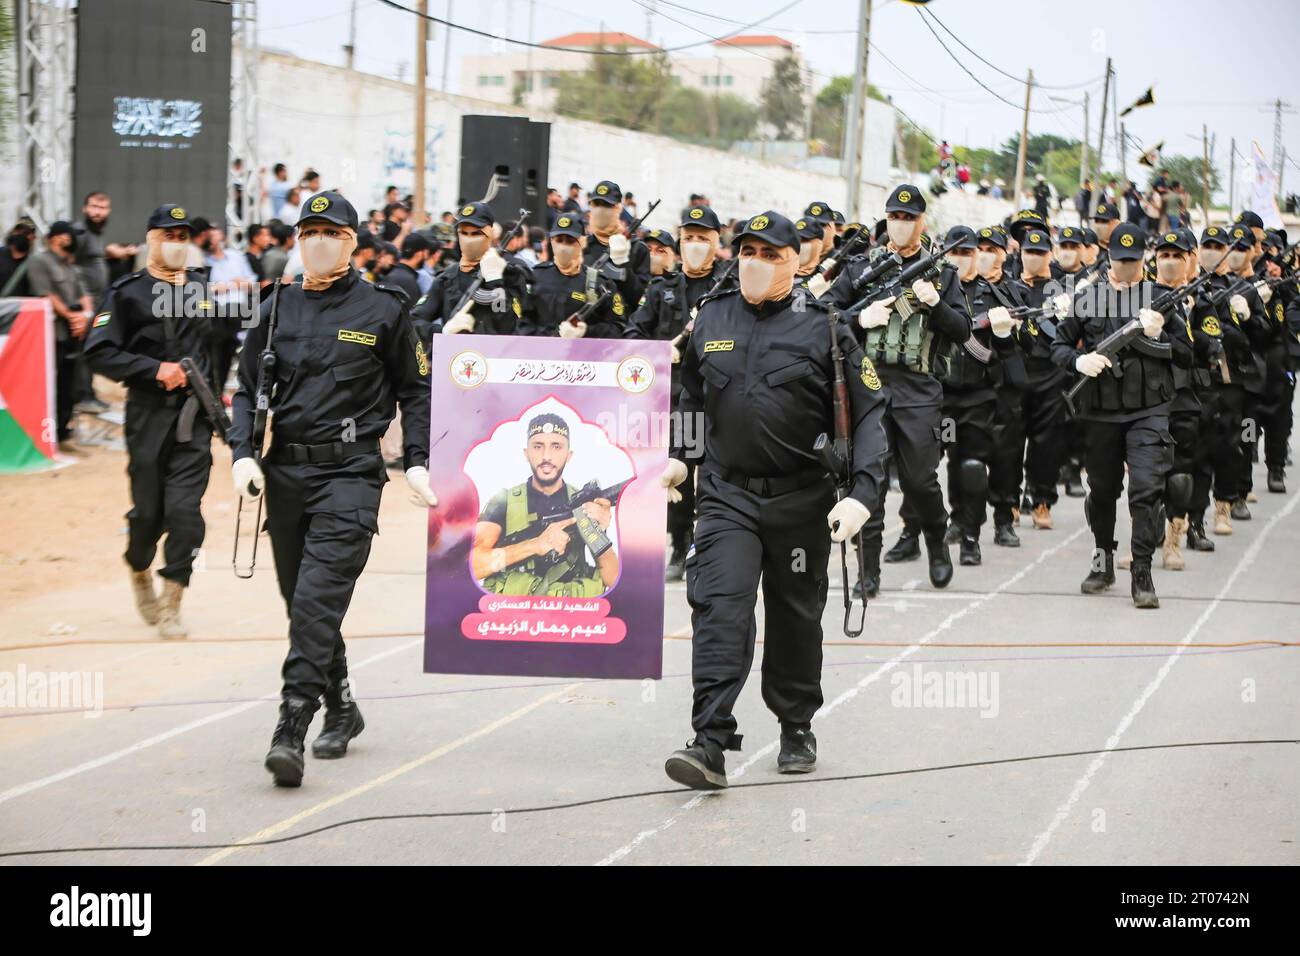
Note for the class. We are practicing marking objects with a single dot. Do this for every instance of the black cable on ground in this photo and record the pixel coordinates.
(620, 797)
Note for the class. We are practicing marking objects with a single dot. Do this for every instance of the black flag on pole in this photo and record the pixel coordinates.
(1146, 99)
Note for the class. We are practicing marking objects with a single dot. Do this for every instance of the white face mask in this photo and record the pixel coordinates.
(1126, 270)
(1236, 259)
(1068, 258)
(602, 217)
(985, 262)
(174, 254)
(566, 255)
(322, 255)
(807, 254)
(660, 264)
(755, 278)
(900, 232)
(1169, 271)
(1033, 261)
(695, 254)
(472, 247)
(1210, 258)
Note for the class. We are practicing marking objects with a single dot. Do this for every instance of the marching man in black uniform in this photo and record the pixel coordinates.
(345, 350)
(139, 338)
(1126, 414)
(760, 372)
(617, 266)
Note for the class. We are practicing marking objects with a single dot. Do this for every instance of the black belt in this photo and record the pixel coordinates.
(328, 453)
(770, 487)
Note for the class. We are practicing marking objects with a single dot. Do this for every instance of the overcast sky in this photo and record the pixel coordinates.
(1213, 62)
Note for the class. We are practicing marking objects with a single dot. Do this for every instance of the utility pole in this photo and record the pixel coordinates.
(351, 49)
(446, 49)
(858, 115)
(1120, 142)
(1024, 139)
(528, 58)
(1205, 172)
(1083, 145)
(421, 79)
(1101, 142)
(1232, 176)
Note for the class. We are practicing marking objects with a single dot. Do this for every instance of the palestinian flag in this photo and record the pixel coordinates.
(26, 385)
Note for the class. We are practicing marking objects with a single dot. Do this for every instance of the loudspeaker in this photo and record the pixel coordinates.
(504, 158)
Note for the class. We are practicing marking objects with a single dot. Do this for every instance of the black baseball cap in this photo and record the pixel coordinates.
(1216, 234)
(1105, 213)
(476, 214)
(1127, 243)
(60, 227)
(169, 216)
(412, 244)
(1070, 234)
(1035, 240)
(809, 228)
(820, 211)
(837, 217)
(331, 207)
(701, 216)
(905, 198)
(1249, 219)
(607, 193)
(993, 234)
(1025, 219)
(1089, 235)
(1173, 239)
(1275, 237)
(1241, 235)
(963, 236)
(568, 225)
(663, 237)
(771, 227)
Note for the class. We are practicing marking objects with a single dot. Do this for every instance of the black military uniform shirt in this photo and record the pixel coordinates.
(496, 308)
(625, 284)
(553, 297)
(143, 323)
(666, 306)
(403, 277)
(343, 355)
(763, 377)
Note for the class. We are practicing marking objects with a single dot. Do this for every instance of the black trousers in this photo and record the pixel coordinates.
(742, 540)
(681, 514)
(973, 426)
(168, 479)
(1007, 465)
(321, 519)
(913, 435)
(1043, 407)
(1285, 423)
(1231, 454)
(1146, 446)
(65, 385)
(1196, 434)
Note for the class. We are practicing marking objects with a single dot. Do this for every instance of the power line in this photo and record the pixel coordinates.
(1045, 86)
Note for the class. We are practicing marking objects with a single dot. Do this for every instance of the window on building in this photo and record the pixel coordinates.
(487, 80)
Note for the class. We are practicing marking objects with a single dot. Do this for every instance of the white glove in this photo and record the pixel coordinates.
(876, 314)
(572, 330)
(1264, 291)
(492, 266)
(460, 322)
(245, 473)
(1152, 323)
(1091, 364)
(1084, 283)
(677, 355)
(846, 519)
(818, 285)
(1061, 305)
(1000, 321)
(673, 476)
(926, 292)
(417, 479)
(619, 247)
(1239, 307)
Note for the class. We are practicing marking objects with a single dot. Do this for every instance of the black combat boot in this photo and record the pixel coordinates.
(1239, 510)
(284, 759)
(1196, 539)
(1004, 535)
(798, 751)
(676, 569)
(970, 551)
(955, 534)
(906, 548)
(1277, 481)
(1074, 482)
(872, 577)
(700, 766)
(342, 722)
(1102, 575)
(1143, 588)
(940, 560)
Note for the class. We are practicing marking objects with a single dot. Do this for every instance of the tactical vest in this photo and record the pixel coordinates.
(903, 341)
(1135, 383)
(534, 576)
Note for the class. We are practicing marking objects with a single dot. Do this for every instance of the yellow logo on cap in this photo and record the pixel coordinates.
(467, 211)
(1238, 233)
(800, 224)
(759, 222)
(869, 376)
(320, 204)
(602, 189)
(563, 222)
(1170, 237)
(1034, 237)
(178, 213)
(986, 233)
(696, 213)
(816, 209)
(904, 196)
(1126, 240)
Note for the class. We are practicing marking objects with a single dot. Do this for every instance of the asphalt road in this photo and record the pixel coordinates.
(1036, 765)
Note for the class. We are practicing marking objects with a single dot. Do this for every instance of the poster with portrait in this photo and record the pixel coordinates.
(546, 550)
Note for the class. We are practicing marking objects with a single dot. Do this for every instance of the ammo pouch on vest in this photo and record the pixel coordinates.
(1135, 383)
(902, 341)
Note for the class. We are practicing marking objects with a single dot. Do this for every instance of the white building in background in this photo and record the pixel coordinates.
(740, 65)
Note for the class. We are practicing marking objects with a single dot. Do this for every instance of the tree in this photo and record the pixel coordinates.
(1187, 170)
(830, 107)
(782, 100)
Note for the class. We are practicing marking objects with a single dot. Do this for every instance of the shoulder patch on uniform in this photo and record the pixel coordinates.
(617, 303)
(1210, 326)
(516, 308)
(421, 357)
(720, 345)
(361, 338)
(869, 376)
(102, 319)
